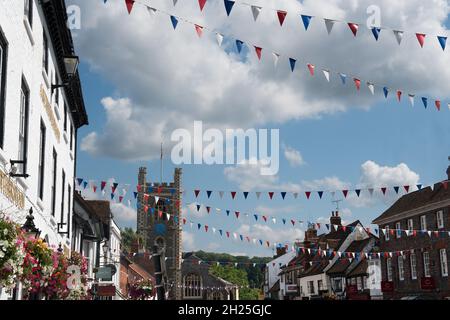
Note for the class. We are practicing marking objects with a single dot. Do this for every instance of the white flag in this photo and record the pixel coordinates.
(256, 10)
(221, 194)
(276, 56)
(175, 2)
(295, 195)
(398, 35)
(214, 230)
(219, 39)
(371, 87)
(274, 220)
(326, 73)
(329, 25)
(411, 99)
(151, 11)
(371, 191)
(156, 200)
(258, 194)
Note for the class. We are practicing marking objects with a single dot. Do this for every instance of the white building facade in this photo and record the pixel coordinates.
(272, 271)
(38, 125)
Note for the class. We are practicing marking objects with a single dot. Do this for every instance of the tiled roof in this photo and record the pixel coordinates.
(359, 269)
(415, 200)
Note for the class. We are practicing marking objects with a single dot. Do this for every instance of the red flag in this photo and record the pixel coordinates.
(159, 190)
(145, 209)
(406, 188)
(354, 27)
(201, 3)
(399, 95)
(383, 190)
(206, 228)
(268, 243)
(345, 192)
(293, 222)
(311, 68)
(233, 194)
(271, 195)
(196, 193)
(421, 38)
(281, 15)
(146, 197)
(308, 194)
(357, 83)
(138, 188)
(265, 218)
(160, 213)
(120, 199)
(258, 52)
(228, 234)
(103, 185)
(184, 220)
(237, 214)
(129, 4)
(199, 30)
(438, 104)
(208, 209)
(94, 188)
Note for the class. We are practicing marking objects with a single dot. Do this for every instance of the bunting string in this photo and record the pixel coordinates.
(327, 72)
(306, 19)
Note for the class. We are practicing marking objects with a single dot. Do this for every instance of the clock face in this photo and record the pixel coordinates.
(160, 229)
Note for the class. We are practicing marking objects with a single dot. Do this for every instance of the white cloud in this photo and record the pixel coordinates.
(166, 79)
(293, 156)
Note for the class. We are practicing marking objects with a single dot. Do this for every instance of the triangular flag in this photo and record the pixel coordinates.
(292, 63)
(419, 187)
(376, 32)
(295, 195)
(354, 27)
(233, 194)
(219, 39)
(196, 192)
(199, 30)
(283, 194)
(406, 188)
(425, 102)
(245, 194)
(411, 99)
(358, 192)
(311, 68)
(151, 10)
(221, 193)
(343, 77)
(258, 194)
(357, 83)
(308, 194)
(239, 44)
(198, 207)
(276, 56)
(383, 189)
(201, 3)
(371, 87)
(228, 6)
(174, 22)
(386, 91)
(326, 73)
(306, 20)
(320, 193)
(80, 181)
(255, 11)
(129, 4)
(258, 51)
(437, 103)
(421, 38)
(208, 193)
(271, 195)
(396, 189)
(399, 95)
(175, 2)
(442, 41)
(281, 16)
(237, 213)
(345, 192)
(329, 25)
(399, 36)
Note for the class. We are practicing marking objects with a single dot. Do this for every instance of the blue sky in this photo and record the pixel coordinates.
(334, 143)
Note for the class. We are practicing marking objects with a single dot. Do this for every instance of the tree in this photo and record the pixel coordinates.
(238, 277)
(129, 238)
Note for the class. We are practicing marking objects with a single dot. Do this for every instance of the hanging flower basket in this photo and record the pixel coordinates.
(11, 253)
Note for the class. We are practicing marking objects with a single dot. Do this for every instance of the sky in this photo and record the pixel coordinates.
(142, 80)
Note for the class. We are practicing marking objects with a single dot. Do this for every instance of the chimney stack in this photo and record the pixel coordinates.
(335, 219)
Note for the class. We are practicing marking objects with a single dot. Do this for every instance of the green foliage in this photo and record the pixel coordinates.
(129, 237)
(244, 274)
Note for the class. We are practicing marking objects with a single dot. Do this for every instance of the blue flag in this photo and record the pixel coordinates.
(220, 231)
(425, 102)
(228, 212)
(376, 32)
(320, 194)
(306, 20)
(80, 181)
(442, 42)
(174, 22)
(239, 44)
(135, 194)
(208, 193)
(245, 195)
(292, 63)
(283, 195)
(343, 77)
(228, 6)
(198, 207)
(256, 217)
(386, 92)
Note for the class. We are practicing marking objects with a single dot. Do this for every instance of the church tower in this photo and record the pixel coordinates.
(156, 227)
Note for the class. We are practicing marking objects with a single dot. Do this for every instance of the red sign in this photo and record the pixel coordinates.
(387, 286)
(427, 283)
(352, 289)
(106, 291)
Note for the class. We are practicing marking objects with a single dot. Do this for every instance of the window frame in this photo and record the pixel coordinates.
(24, 118)
(192, 285)
(41, 167)
(389, 273)
(386, 233)
(401, 268)
(28, 12)
(63, 194)
(45, 53)
(423, 222)
(54, 180)
(4, 46)
(444, 262)
(426, 264)
(413, 265)
(411, 224)
(440, 219)
(398, 230)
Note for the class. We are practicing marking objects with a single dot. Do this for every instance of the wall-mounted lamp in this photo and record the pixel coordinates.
(71, 64)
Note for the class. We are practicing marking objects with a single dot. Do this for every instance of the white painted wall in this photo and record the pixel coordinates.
(272, 270)
(25, 52)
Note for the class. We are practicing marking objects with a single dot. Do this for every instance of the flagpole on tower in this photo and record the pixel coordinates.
(161, 164)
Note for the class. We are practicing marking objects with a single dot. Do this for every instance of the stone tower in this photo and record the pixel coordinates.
(154, 228)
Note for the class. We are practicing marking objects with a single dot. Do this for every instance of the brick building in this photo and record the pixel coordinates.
(417, 226)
